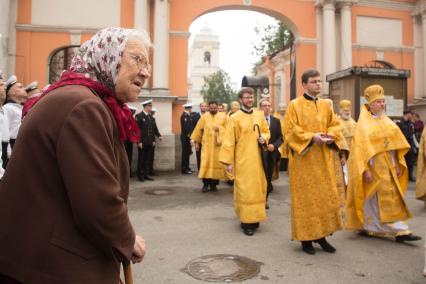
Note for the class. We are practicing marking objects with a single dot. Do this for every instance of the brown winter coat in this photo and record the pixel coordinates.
(63, 212)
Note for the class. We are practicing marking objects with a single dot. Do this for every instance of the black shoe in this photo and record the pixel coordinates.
(325, 245)
(213, 188)
(267, 206)
(141, 179)
(412, 179)
(308, 247)
(149, 178)
(152, 174)
(230, 182)
(205, 189)
(187, 172)
(407, 238)
(248, 232)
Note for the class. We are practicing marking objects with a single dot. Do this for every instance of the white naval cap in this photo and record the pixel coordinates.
(31, 86)
(154, 109)
(188, 105)
(10, 82)
(147, 102)
(45, 88)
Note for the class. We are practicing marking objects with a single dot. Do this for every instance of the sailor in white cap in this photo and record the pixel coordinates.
(32, 89)
(15, 97)
(147, 141)
(4, 127)
(186, 131)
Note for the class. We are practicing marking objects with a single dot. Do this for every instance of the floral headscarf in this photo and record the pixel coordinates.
(100, 57)
(96, 66)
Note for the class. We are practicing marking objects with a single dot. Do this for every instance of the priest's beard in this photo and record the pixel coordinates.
(379, 113)
(246, 107)
(345, 116)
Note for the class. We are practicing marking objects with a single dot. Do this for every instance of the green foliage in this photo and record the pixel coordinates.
(273, 39)
(217, 86)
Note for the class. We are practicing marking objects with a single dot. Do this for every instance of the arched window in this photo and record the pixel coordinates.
(207, 57)
(380, 64)
(60, 60)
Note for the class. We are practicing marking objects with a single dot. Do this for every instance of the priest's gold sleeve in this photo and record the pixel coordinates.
(296, 137)
(197, 133)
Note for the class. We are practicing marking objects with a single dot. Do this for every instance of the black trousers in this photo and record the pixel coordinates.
(410, 159)
(270, 163)
(144, 160)
(198, 155)
(210, 182)
(151, 169)
(4, 157)
(4, 279)
(12, 143)
(249, 225)
(129, 150)
(186, 152)
(283, 164)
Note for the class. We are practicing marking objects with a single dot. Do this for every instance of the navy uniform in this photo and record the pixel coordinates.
(147, 126)
(186, 131)
(195, 117)
(157, 134)
(13, 107)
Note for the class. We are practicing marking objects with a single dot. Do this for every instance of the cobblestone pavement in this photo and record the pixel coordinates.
(185, 224)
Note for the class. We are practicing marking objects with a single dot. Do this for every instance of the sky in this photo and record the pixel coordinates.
(236, 31)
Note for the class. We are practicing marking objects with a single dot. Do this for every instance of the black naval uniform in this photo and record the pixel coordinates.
(157, 134)
(195, 117)
(273, 158)
(145, 155)
(186, 130)
(407, 128)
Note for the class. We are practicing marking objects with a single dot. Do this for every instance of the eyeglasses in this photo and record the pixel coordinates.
(141, 62)
(248, 98)
(315, 82)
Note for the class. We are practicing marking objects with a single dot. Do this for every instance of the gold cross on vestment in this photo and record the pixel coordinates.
(386, 142)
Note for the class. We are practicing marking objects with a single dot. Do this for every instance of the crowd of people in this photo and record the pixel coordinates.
(67, 166)
(342, 173)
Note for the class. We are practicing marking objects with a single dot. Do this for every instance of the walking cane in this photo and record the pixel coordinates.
(127, 269)
(262, 148)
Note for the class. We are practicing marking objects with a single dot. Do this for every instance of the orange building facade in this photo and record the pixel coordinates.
(330, 35)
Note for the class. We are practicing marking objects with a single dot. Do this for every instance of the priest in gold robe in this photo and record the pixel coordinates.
(312, 132)
(245, 137)
(421, 169)
(347, 125)
(235, 106)
(378, 173)
(208, 132)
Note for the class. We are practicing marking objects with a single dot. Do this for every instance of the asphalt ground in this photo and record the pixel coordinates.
(187, 224)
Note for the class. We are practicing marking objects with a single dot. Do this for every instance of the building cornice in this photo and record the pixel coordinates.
(387, 4)
(306, 40)
(56, 29)
(384, 48)
(179, 34)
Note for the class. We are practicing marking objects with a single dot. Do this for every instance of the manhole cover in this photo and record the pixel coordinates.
(223, 268)
(159, 191)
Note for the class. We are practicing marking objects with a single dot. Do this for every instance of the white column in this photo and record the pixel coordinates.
(319, 38)
(329, 38)
(142, 15)
(4, 35)
(161, 48)
(346, 35)
(424, 51)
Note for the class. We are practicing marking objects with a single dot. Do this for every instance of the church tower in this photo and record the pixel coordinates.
(203, 61)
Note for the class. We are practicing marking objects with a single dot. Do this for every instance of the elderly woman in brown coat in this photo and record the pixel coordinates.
(63, 211)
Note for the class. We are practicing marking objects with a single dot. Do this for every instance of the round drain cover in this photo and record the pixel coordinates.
(223, 268)
(159, 191)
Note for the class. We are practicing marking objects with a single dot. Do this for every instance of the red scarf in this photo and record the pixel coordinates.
(127, 126)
